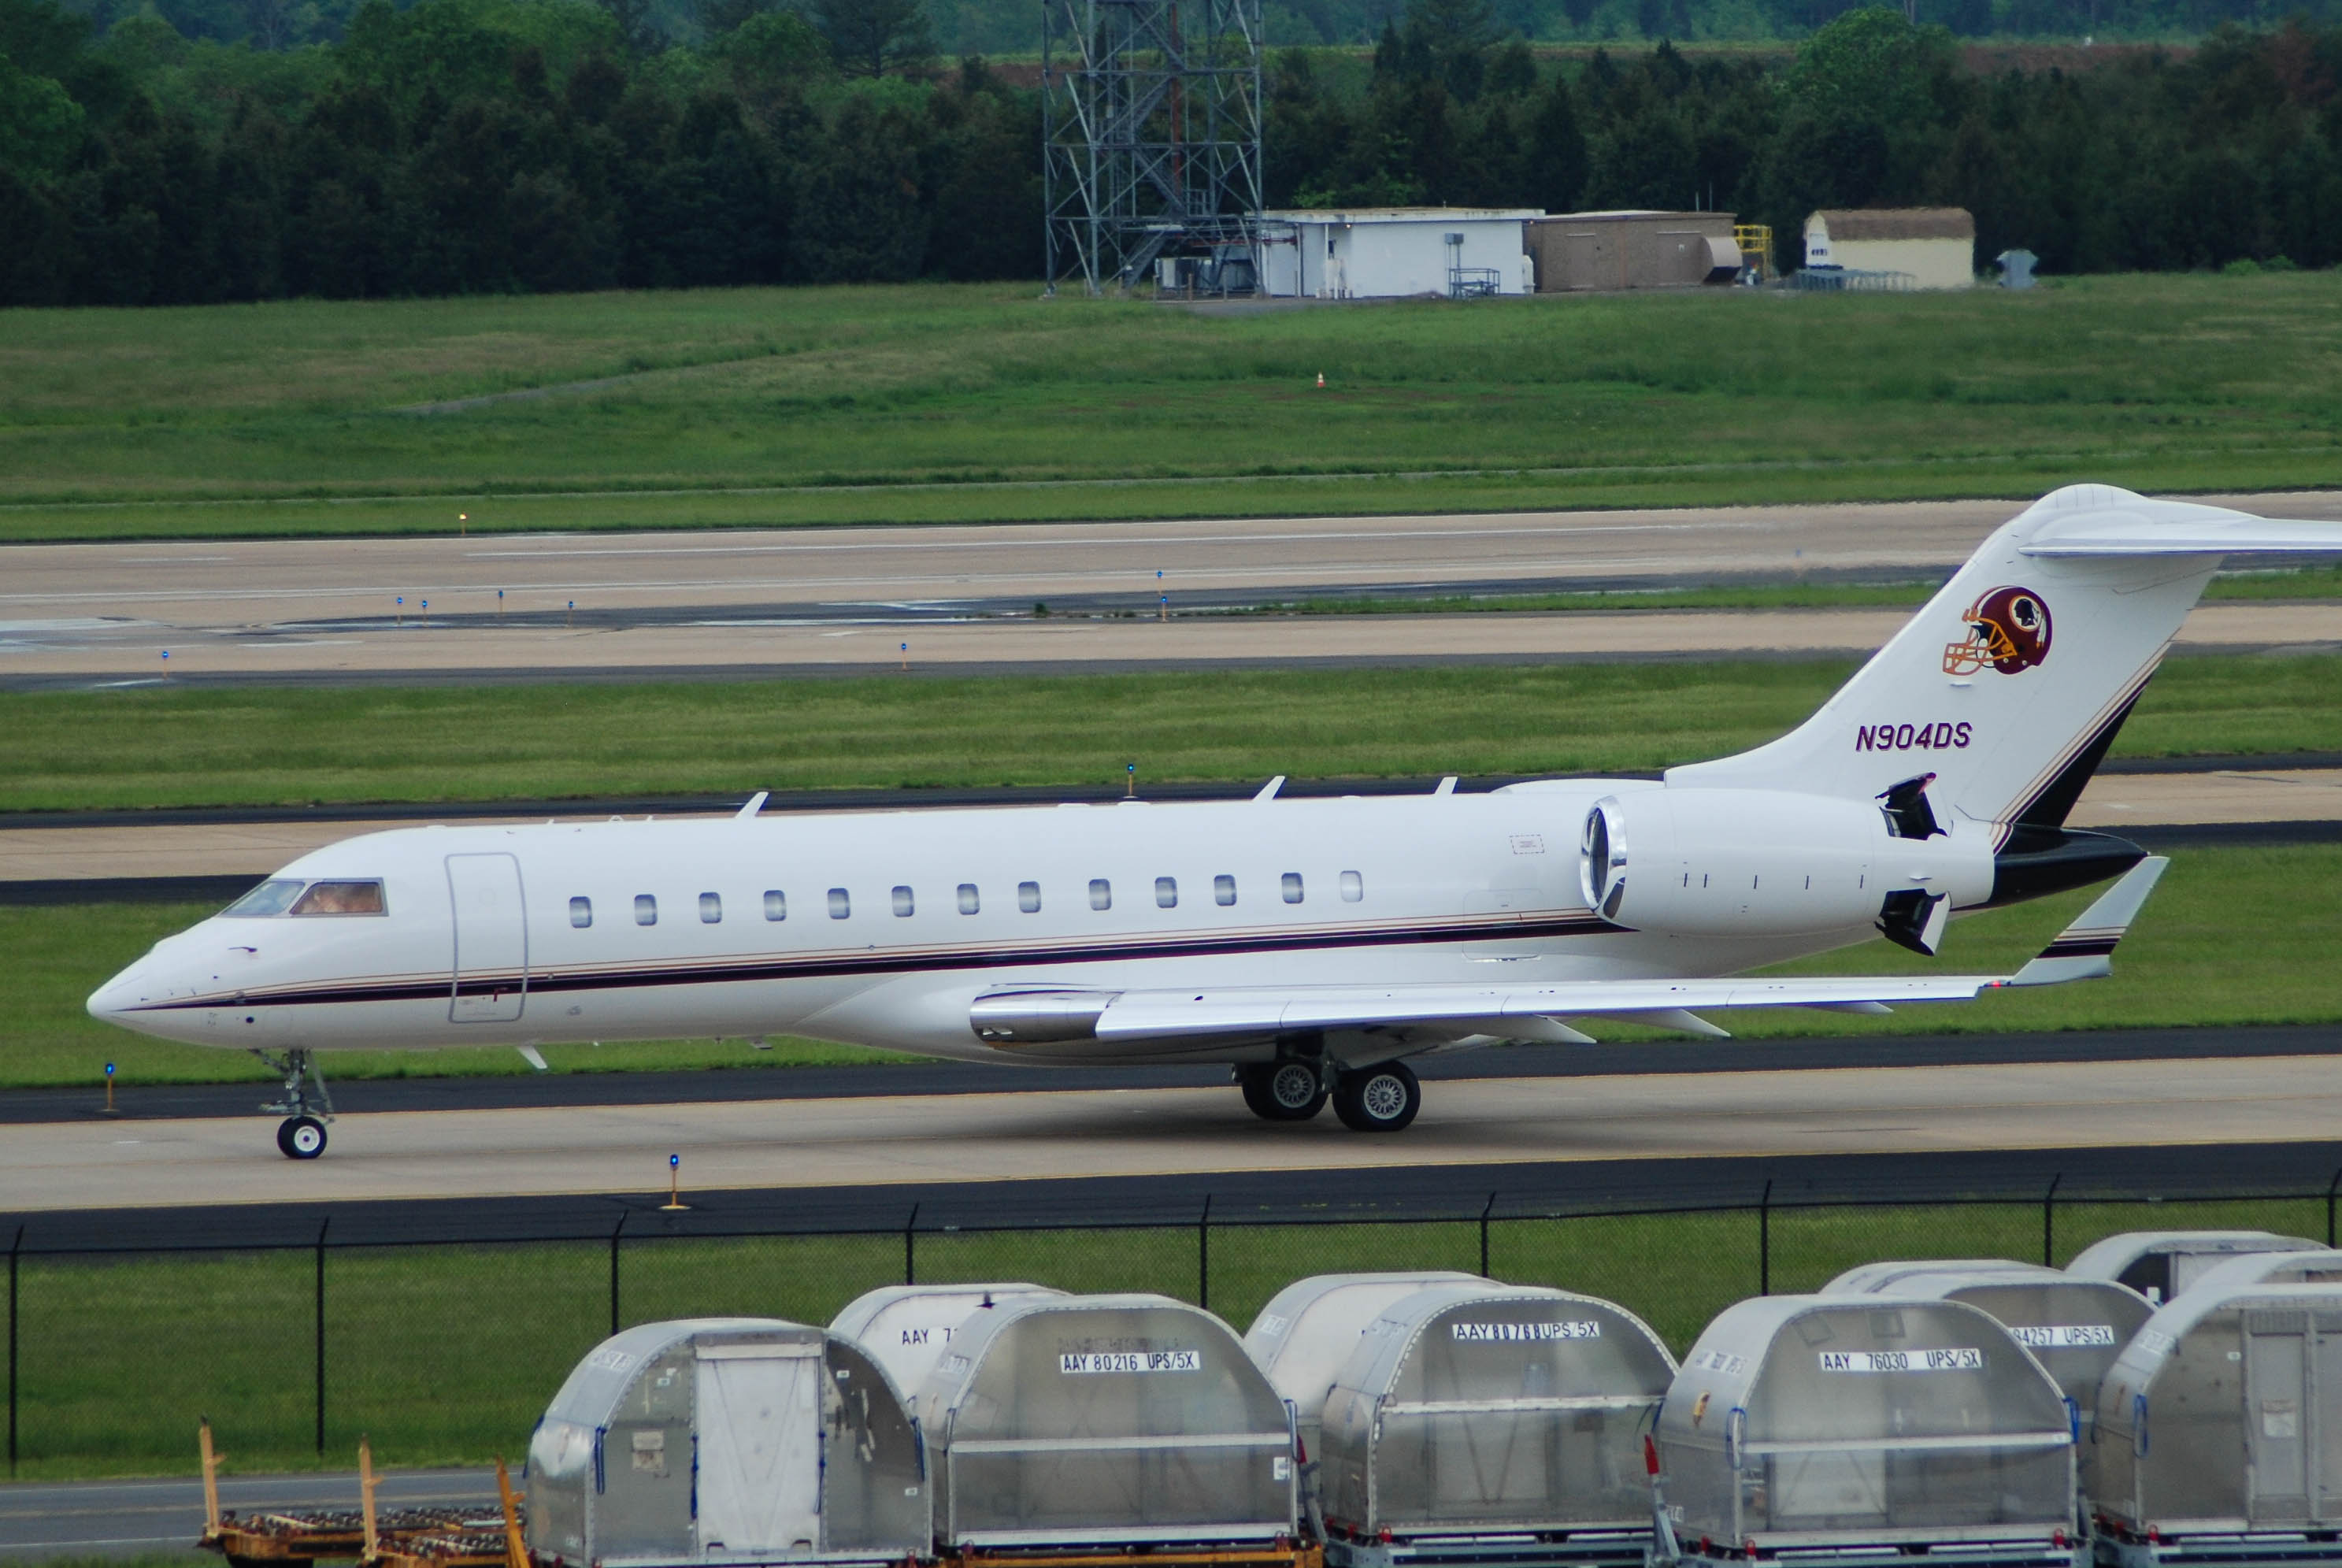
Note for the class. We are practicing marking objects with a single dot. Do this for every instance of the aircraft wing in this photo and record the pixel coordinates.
(2082, 951)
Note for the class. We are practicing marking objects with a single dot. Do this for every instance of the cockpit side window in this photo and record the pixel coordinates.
(273, 896)
(341, 898)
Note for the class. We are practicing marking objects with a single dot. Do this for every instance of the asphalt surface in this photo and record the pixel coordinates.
(905, 1139)
(759, 603)
(165, 1102)
(42, 1520)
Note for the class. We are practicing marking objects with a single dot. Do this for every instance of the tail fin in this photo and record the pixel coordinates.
(2011, 684)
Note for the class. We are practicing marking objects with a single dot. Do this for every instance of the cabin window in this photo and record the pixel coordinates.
(1292, 887)
(273, 896)
(1028, 897)
(1167, 893)
(646, 909)
(581, 913)
(903, 904)
(341, 898)
(711, 908)
(1101, 893)
(1224, 891)
(969, 903)
(776, 904)
(840, 904)
(1354, 887)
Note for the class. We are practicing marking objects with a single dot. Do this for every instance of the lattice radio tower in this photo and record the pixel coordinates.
(1151, 125)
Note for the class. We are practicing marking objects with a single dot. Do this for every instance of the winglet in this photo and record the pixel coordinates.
(755, 804)
(2085, 950)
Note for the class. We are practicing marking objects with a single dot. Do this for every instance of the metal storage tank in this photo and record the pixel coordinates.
(2074, 1327)
(1097, 1420)
(1831, 1423)
(1309, 1328)
(1476, 1409)
(906, 1328)
(714, 1438)
(2159, 1264)
(2220, 1430)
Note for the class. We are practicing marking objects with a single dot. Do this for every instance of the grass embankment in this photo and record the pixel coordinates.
(928, 404)
(2205, 953)
(151, 746)
(120, 1356)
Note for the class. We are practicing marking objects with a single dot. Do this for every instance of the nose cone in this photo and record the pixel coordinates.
(127, 1000)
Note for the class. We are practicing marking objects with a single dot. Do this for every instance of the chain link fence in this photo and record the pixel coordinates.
(446, 1353)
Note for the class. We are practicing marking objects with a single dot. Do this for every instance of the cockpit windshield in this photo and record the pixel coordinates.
(340, 898)
(283, 896)
(273, 896)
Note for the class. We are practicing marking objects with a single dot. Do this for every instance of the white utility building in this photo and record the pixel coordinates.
(1393, 253)
(1934, 246)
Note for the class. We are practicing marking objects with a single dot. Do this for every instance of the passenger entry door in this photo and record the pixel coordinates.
(491, 957)
(759, 1458)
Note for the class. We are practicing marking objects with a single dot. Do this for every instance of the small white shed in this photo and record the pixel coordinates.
(1393, 253)
(1934, 246)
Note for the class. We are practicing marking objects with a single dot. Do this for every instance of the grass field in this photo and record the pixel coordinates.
(121, 1356)
(260, 745)
(2202, 954)
(928, 403)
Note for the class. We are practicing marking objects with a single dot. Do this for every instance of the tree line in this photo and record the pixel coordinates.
(481, 146)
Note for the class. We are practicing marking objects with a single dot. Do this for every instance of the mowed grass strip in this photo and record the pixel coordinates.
(2204, 953)
(121, 1356)
(971, 396)
(151, 747)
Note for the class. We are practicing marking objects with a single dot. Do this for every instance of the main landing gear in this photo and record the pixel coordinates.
(302, 1135)
(1383, 1098)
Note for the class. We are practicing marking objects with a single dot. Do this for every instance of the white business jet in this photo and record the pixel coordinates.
(1311, 944)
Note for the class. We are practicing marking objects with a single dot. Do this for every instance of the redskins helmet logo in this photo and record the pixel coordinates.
(2008, 629)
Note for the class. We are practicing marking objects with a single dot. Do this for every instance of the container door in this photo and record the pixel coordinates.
(2276, 1418)
(759, 1416)
(2326, 1378)
(491, 939)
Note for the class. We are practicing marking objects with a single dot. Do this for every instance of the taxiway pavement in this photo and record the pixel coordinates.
(846, 599)
(903, 1140)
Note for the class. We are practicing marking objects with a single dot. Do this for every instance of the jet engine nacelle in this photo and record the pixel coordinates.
(1732, 863)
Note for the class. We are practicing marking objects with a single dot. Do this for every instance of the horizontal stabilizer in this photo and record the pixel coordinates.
(2085, 950)
(2174, 528)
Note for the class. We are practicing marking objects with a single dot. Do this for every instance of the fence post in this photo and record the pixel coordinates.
(615, 1231)
(14, 1249)
(2050, 1223)
(1764, 1241)
(323, 1226)
(1483, 1234)
(1204, 1256)
(2330, 1189)
(910, 1261)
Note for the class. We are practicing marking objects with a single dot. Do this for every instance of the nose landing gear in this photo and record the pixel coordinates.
(302, 1135)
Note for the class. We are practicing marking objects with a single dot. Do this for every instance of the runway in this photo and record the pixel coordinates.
(876, 1142)
(845, 600)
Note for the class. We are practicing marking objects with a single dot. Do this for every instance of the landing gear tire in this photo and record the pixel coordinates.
(1282, 1092)
(1380, 1099)
(301, 1137)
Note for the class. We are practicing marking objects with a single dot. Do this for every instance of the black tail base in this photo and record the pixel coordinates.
(2039, 861)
